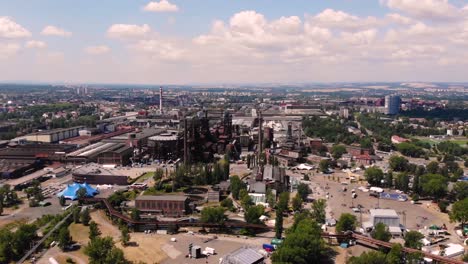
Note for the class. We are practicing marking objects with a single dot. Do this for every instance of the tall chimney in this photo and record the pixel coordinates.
(260, 134)
(185, 141)
(161, 100)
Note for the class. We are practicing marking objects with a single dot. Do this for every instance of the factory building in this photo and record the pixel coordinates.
(168, 205)
(166, 146)
(95, 174)
(54, 135)
(102, 153)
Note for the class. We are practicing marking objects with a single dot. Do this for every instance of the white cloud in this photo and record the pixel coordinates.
(425, 9)
(161, 6)
(11, 29)
(35, 44)
(399, 19)
(128, 31)
(342, 20)
(159, 49)
(360, 38)
(55, 31)
(97, 50)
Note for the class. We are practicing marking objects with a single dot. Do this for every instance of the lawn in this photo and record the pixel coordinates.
(145, 176)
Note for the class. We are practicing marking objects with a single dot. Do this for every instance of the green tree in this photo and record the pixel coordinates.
(374, 175)
(347, 222)
(372, 257)
(303, 190)
(6, 250)
(283, 201)
(324, 165)
(402, 181)
(297, 202)
(62, 200)
(76, 215)
(64, 238)
(213, 215)
(460, 190)
(416, 184)
(135, 214)
(93, 230)
(434, 185)
(366, 143)
(125, 236)
(395, 256)
(413, 239)
(279, 224)
(102, 251)
(381, 232)
(338, 151)
(85, 217)
(246, 201)
(228, 204)
(22, 238)
(432, 167)
(318, 210)
(459, 212)
(302, 245)
(81, 194)
(398, 163)
(270, 197)
(253, 213)
(236, 185)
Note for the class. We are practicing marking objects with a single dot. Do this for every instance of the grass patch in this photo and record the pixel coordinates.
(79, 233)
(143, 177)
(461, 142)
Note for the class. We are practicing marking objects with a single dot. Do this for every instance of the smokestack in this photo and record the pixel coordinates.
(161, 100)
(185, 141)
(260, 134)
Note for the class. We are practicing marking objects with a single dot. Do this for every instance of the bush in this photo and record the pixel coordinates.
(415, 197)
(443, 206)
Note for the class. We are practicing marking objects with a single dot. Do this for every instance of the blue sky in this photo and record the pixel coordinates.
(214, 41)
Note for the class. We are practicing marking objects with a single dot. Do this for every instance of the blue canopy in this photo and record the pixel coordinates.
(71, 191)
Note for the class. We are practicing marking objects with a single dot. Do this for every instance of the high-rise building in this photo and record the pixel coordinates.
(344, 112)
(161, 100)
(392, 104)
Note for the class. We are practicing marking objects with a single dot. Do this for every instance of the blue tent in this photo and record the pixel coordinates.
(71, 191)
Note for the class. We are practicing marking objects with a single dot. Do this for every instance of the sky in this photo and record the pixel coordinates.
(233, 41)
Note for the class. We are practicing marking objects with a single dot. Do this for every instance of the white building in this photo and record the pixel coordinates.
(386, 216)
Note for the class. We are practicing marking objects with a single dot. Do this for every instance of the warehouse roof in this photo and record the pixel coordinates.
(383, 213)
(162, 197)
(243, 255)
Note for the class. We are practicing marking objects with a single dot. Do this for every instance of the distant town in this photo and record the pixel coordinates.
(249, 173)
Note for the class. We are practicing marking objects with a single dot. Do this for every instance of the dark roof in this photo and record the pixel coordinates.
(162, 198)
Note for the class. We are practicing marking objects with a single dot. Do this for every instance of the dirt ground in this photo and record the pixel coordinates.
(145, 248)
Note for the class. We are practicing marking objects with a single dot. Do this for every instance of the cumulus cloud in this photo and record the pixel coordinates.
(35, 44)
(97, 50)
(342, 20)
(161, 6)
(10, 29)
(364, 37)
(124, 31)
(399, 19)
(425, 9)
(55, 31)
(159, 49)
